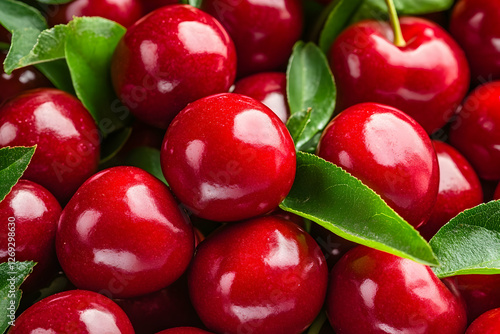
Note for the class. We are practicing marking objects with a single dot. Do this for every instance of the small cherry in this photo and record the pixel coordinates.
(488, 323)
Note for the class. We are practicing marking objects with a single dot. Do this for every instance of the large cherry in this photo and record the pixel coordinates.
(263, 31)
(66, 136)
(171, 57)
(125, 12)
(488, 323)
(388, 151)
(459, 188)
(427, 78)
(376, 292)
(474, 25)
(123, 234)
(228, 157)
(476, 130)
(75, 311)
(20, 80)
(268, 88)
(30, 214)
(264, 275)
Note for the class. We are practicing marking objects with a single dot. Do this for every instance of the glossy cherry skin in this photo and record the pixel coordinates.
(30, 214)
(126, 227)
(66, 136)
(268, 88)
(228, 157)
(459, 188)
(264, 275)
(389, 152)
(125, 12)
(75, 311)
(171, 57)
(481, 293)
(474, 25)
(375, 292)
(184, 330)
(427, 79)
(150, 5)
(19, 81)
(488, 323)
(476, 130)
(263, 31)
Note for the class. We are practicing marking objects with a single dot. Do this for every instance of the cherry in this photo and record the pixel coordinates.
(123, 234)
(268, 88)
(488, 323)
(184, 330)
(459, 188)
(66, 136)
(125, 12)
(376, 292)
(264, 275)
(30, 214)
(150, 5)
(496, 194)
(474, 25)
(228, 157)
(427, 78)
(389, 152)
(75, 311)
(171, 57)
(20, 80)
(476, 130)
(263, 31)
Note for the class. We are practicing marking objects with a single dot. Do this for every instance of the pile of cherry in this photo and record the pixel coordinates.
(123, 242)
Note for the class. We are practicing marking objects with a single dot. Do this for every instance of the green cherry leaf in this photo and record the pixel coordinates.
(194, 3)
(377, 9)
(13, 163)
(310, 86)
(54, 2)
(336, 200)
(470, 242)
(12, 275)
(341, 12)
(147, 158)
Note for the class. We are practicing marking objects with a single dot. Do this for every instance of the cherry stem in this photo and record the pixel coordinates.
(318, 323)
(396, 27)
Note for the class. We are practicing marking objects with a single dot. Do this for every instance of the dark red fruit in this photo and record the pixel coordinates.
(476, 130)
(125, 12)
(75, 311)
(19, 81)
(66, 136)
(171, 57)
(184, 330)
(389, 152)
(459, 188)
(150, 5)
(268, 88)
(122, 234)
(264, 275)
(228, 157)
(263, 32)
(427, 78)
(30, 214)
(375, 292)
(5, 35)
(474, 25)
(488, 323)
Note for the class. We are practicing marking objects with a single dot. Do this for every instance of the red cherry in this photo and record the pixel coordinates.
(474, 25)
(19, 81)
(184, 330)
(459, 188)
(389, 152)
(488, 323)
(375, 292)
(228, 157)
(427, 78)
(75, 311)
(264, 275)
(30, 214)
(263, 31)
(66, 136)
(268, 88)
(171, 57)
(476, 130)
(123, 234)
(125, 12)
(496, 195)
